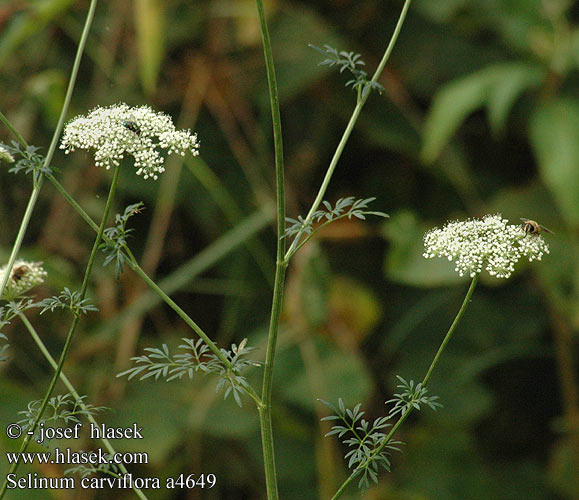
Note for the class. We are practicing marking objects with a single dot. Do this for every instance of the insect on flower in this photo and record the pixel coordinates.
(532, 227)
(132, 126)
(19, 272)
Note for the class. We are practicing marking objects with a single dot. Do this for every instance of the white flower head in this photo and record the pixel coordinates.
(490, 243)
(24, 276)
(119, 130)
(5, 154)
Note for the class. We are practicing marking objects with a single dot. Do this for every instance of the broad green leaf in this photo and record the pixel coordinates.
(555, 140)
(223, 418)
(563, 465)
(511, 81)
(156, 406)
(385, 126)
(450, 107)
(497, 85)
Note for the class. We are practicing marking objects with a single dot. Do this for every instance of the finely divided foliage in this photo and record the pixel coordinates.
(368, 452)
(411, 396)
(196, 358)
(29, 158)
(64, 409)
(3, 348)
(68, 299)
(349, 61)
(109, 468)
(106, 131)
(363, 439)
(344, 207)
(117, 236)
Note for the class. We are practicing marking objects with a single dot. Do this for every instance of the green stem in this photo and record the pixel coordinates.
(182, 314)
(74, 393)
(73, 325)
(362, 98)
(280, 268)
(154, 287)
(12, 129)
(21, 233)
(410, 408)
(52, 148)
(453, 326)
(144, 276)
(265, 408)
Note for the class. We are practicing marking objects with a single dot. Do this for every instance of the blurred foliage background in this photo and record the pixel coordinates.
(480, 115)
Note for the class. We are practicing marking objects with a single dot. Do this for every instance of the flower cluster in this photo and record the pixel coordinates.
(491, 243)
(120, 130)
(24, 276)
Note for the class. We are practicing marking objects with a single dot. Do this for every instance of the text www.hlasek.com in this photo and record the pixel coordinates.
(67, 456)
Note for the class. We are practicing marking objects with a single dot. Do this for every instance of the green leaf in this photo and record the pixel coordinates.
(497, 85)
(450, 107)
(511, 81)
(297, 65)
(555, 139)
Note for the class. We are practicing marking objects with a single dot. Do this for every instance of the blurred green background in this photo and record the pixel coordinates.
(480, 115)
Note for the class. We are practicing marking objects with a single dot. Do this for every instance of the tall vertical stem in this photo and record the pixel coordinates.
(38, 180)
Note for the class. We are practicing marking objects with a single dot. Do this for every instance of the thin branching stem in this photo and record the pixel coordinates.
(362, 98)
(79, 400)
(134, 265)
(73, 325)
(38, 179)
(280, 269)
(410, 408)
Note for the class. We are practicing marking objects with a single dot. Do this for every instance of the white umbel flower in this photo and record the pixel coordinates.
(24, 276)
(490, 243)
(119, 130)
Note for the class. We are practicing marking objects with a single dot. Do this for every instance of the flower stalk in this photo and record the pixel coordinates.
(38, 179)
(280, 268)
(75, 394)
(73, 326)
(362, 98)
(425, 380)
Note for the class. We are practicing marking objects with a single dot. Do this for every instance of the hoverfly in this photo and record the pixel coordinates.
(132, 126)
(19, 272)
(532, 227)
